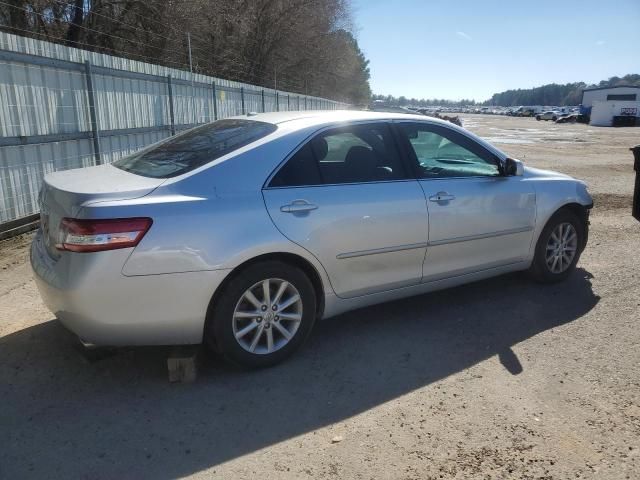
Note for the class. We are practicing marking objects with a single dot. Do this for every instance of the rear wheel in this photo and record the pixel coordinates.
(263, 315)
(538, 117)
(558, 248)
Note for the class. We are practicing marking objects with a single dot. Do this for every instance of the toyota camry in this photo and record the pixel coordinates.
(243, 232)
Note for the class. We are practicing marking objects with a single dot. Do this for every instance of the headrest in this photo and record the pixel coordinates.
(360, 155)
(320, 147)
(360, 164)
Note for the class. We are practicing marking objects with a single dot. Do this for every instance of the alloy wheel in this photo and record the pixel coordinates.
(267, 316)
(562, 247)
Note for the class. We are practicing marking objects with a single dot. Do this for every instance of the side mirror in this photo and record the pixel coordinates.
(513, 167)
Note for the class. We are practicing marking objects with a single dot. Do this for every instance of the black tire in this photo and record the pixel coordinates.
(538, 117)
(539, 269)
(554, 118)
(219, 333)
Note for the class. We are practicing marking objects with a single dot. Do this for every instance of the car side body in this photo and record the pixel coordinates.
(363, 243)
(548, 115)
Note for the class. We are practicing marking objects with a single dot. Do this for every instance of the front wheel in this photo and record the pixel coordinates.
(538, 117)
(558, 248)
(263, 315)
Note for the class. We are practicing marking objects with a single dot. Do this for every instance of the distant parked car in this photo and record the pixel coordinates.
(568, 118)
(242, 232)
(525, 112)
(548, 115)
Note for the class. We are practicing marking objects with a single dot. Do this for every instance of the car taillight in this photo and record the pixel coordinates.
(98, 235)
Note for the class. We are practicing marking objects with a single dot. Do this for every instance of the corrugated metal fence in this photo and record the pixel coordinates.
(63, 107)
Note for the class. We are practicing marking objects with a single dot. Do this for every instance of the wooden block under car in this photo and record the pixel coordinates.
(182, 365)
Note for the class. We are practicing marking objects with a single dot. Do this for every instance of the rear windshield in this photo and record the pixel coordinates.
(194, 148)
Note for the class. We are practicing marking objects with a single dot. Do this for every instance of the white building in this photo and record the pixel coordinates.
(602, 112)
(608, 102)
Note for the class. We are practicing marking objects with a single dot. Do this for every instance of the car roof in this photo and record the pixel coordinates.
(300, 120)
(311, 118)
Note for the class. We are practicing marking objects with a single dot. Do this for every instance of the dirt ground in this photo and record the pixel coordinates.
(499, 379)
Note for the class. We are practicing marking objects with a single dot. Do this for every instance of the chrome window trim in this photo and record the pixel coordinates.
(500, 155)
(471, 177)
(320, 185)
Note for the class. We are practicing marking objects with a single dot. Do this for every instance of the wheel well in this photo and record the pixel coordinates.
(582, 213)
(289, 258)
(578, 210)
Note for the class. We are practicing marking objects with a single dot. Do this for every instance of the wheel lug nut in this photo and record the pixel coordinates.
(276, 318)
(274, 308)
(259, 319)
(264, 307)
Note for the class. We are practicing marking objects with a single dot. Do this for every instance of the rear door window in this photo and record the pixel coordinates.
(301, 169)
(194, 148)
(354, 154)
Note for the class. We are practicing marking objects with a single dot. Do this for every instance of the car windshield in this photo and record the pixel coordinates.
(194, 148)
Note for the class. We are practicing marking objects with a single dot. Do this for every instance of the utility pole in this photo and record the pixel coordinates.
(189, 43)
(193, 100)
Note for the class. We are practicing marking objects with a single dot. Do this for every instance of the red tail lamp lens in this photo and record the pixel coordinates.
(98, 235)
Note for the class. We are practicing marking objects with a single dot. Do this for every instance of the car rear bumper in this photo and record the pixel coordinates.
(89, 294)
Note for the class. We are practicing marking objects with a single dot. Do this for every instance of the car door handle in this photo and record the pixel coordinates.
(298, 206)
(442, 197)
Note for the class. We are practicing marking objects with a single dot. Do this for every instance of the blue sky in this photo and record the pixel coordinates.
(471, 49)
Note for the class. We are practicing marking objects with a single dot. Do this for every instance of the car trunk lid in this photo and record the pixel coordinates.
(63, 194)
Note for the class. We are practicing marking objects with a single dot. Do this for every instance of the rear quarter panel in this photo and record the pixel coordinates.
(215, 219)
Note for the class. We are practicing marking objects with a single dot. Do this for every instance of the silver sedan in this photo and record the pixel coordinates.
(243, 232)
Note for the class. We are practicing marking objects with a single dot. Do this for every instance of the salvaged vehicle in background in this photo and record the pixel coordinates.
(548, 115)
(243, 232)
(568, 118)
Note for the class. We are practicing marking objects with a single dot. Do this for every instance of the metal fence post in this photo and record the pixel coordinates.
(288, 102)
(305, 103)
(92, 112)
(242, 98)
(277, 102)
(262, 94)
(173, 123)
(215, 102)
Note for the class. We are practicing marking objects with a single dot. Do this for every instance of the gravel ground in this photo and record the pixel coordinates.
(499, 379)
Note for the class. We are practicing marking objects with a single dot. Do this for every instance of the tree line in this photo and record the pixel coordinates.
(422, 102)
(551, 94)
(555, 94)
(303, 46)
